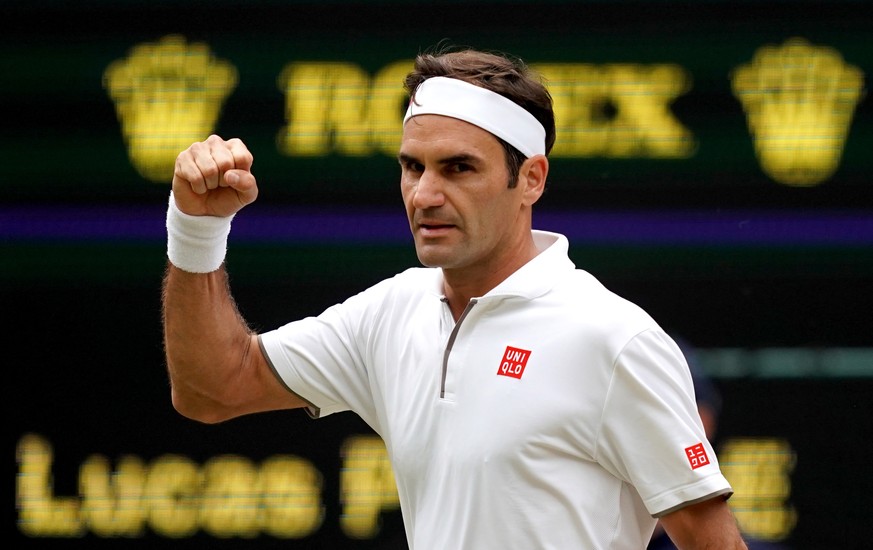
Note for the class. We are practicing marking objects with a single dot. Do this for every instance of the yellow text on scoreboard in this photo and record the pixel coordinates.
(228, 496)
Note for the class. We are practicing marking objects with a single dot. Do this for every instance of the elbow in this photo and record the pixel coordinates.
(197, 410)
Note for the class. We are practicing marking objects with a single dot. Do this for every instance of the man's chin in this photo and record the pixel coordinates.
(433, 256)
(428, 261)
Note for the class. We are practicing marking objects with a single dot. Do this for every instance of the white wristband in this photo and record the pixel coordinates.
(196, 244)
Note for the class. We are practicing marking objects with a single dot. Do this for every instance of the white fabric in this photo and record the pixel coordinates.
(488, 110)
(580, 452)
(197, 244)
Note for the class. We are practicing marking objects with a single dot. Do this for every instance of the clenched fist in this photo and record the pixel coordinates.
(214, 178)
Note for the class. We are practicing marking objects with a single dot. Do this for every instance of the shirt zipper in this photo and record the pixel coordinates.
(451, 343)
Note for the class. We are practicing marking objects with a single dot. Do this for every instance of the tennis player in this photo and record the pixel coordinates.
(523, 405)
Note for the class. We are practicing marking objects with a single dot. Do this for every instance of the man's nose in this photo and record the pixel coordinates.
(429, 191)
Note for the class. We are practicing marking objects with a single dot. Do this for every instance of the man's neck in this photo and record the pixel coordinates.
(462, 284)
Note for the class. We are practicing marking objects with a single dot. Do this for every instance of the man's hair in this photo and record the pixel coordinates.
(500, 73)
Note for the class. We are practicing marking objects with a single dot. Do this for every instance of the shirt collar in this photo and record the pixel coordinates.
(534, 278)
(539, 275)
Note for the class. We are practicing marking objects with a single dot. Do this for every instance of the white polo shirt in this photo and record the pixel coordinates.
(554, 414)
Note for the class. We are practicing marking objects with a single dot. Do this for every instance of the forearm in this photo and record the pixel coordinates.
(707, 525)
(206, 341)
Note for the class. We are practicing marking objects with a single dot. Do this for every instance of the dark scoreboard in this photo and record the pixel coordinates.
(713, 165)
(659, 104)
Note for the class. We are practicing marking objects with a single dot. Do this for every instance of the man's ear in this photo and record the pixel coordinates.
(532, 176)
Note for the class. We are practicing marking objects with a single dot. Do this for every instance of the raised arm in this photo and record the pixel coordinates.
(217, 370)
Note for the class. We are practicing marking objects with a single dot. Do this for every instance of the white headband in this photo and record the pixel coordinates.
(440, 95)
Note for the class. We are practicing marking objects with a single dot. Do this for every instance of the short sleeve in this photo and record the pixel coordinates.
(323, 359)
(651, 435)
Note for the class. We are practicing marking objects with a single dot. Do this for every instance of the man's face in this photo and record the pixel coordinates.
(454, 183)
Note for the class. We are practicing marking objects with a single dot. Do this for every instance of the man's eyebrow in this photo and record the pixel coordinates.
(404, 158)
(463, 158)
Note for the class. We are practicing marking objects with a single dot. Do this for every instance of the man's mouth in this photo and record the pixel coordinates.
(434, 229)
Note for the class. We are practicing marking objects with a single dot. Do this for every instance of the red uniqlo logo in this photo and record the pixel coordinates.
(697, 456)
(513, 362)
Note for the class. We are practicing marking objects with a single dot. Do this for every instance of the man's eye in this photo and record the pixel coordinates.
(461, 167)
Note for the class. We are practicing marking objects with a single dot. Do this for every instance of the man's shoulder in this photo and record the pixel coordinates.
(585, 287)
(422, 279)
(583, 301)
(414, 281)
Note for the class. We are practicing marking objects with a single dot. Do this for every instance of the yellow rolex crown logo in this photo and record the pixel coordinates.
(799, 100)
(167, 94)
